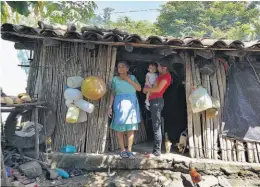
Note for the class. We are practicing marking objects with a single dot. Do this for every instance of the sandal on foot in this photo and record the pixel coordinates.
(131, 155)
(124, 154)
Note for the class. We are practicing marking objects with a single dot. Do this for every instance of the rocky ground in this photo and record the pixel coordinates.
(153, 178)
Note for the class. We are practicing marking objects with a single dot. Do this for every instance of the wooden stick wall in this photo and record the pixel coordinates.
(47, 79)
(204, 135)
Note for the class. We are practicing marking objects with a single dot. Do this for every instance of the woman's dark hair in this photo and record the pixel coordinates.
(122, 62)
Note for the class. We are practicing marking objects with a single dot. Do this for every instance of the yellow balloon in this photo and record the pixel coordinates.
(93, 88)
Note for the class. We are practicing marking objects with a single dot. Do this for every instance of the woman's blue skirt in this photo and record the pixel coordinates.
(126, 113)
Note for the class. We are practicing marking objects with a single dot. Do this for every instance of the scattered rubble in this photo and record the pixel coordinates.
(167, 172)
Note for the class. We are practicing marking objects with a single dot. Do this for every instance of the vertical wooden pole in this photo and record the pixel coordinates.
(229, 149)
(250, 153)
(258, 150)
(35, 120)
(221, 99)
(200, 133)
(110, 78)
(195, 121)
(255, 153)
(233, 149)
(215, 94)
(189, 112)
(4, 179)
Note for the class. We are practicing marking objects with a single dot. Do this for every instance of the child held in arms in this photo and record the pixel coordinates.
(150, 80)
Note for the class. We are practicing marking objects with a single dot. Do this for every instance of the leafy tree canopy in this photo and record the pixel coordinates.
(58, 12)
(217, 19)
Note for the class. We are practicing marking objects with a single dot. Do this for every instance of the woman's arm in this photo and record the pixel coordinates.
(111, 99)
(137, 86)
(156, 88)
(110, 111)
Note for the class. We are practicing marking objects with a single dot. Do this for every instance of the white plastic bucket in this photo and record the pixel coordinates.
(74, 82)
(82, 116)
(69, 103)
(85, 106)
(72, 94)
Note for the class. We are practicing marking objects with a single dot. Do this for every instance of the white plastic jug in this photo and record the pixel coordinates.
(82, 116)
(72, 94)
(75, 81)
(85, 106)
(69, 103)
(72, 114)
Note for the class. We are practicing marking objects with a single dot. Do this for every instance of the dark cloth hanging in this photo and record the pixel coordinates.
(242, 102)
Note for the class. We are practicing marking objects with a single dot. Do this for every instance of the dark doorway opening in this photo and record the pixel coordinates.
(175, 110)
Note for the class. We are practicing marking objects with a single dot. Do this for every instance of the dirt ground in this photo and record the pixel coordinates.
(151, 178)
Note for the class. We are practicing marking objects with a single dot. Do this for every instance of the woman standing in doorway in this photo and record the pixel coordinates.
(156, 101)
(125, 107)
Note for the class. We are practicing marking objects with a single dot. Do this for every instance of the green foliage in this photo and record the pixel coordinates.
(62, 12)
(59, 12)
(143, 28)
(13, 11)
(217, 19)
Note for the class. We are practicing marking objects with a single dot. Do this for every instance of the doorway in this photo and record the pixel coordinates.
(175, 111)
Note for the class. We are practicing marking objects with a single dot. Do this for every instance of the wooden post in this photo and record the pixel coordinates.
(215, 94)
(229, 154)
(199, 126)
(4, 179)
(233, 148)
(255, 153)
(195, 121)
(258, 150)
(250, 153)
(35, 120)
(189, 112)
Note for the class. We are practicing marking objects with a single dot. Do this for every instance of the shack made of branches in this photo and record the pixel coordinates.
(59, 54)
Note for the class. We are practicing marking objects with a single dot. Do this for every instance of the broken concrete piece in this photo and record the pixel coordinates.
(223, 181)
(31, 169)
(208, 181)
(230, 170)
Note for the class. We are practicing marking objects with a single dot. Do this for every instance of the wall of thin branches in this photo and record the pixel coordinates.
(47, 80)
(204, 134)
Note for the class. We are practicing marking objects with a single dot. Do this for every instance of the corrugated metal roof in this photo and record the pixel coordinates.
(10, 31)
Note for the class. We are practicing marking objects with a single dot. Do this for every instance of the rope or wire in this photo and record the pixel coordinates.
(144, 10)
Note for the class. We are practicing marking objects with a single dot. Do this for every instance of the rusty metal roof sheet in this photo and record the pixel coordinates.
(18, 33)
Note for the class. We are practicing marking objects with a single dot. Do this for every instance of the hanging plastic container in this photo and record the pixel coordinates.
(72, 94)
(82, 116)
(85, 106)
(72, 114)
(75, 81)
(69, 103)
(200, 100)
